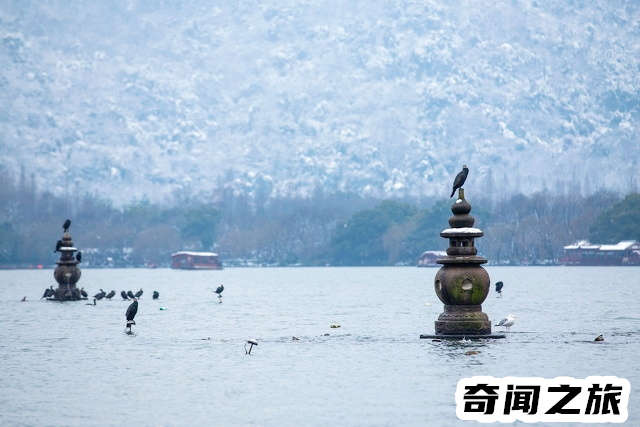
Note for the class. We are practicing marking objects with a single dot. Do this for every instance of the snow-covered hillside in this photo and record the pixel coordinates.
(148, 99)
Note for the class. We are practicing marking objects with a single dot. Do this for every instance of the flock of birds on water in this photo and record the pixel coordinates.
(127, 296)
(130, 314)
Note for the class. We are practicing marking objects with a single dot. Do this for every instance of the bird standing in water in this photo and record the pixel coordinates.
(156, 294)
(460, 179)
(218, 291)
(48, 292)
(124, 296)
(66, 225)
(499, 286)
(131, 314)
(507, 322)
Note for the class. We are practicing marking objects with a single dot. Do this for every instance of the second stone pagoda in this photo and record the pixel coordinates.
(461, 283)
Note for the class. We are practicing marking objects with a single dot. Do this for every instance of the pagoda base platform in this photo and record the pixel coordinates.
(67, 299)
(462, 337)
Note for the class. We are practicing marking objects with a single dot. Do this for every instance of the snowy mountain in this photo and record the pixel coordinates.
(280, 98)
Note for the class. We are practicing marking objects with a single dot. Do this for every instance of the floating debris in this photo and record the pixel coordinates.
(163, 308)
(334, 325)
(471, 353)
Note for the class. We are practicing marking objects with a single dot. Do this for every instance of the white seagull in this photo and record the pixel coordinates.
(507, 322)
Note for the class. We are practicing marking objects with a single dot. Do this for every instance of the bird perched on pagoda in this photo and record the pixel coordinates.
(58, 246)
(131, 313)
(79, 257)
(460, 179)
(66, 225)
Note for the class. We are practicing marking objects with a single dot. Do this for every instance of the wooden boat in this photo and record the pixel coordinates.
(188, 260)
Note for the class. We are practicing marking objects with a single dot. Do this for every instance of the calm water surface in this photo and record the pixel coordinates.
(71, 364)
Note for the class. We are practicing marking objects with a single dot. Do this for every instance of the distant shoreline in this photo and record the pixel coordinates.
(52, 267)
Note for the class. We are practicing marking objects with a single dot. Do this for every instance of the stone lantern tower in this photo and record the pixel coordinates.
(461, 283)
(67, 272)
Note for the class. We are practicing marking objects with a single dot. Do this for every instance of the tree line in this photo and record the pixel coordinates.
(324, 229)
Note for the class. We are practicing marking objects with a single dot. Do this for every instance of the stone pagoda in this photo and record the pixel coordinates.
(461, 283)
(67, 272)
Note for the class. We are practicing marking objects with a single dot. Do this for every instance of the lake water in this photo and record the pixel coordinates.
(71, 364)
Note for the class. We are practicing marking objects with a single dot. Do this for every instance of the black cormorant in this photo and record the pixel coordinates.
(110, 295)
(499, 286)
(79, 257)
(66, 225)
(139, 293)
(49, 292)
(131, 313)
(219, 290)
(100, 294)
(130, 294)
(156, 294)
(460, 179)
(123, 294)
(83, 292)
(58, 246)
